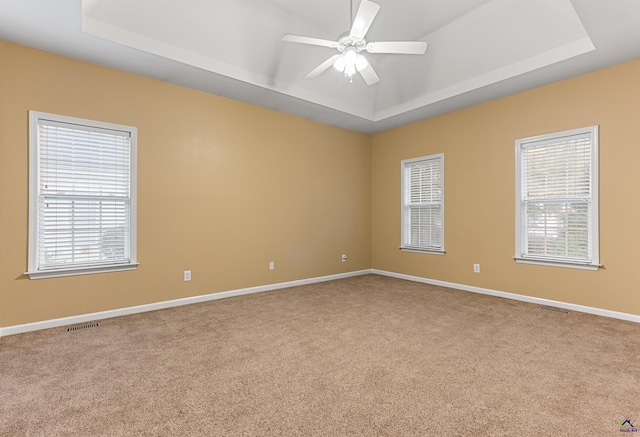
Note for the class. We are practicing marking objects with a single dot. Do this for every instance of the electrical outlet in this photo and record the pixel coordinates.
(476, 268)
(344, 258)
(187, 275)
(272, 265)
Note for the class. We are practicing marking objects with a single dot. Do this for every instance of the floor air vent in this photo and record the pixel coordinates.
(85, 326)
(554, 309)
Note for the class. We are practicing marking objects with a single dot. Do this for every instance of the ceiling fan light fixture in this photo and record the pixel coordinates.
(340, 64)
(350, 55)
(350, 70)
(361, 62)
(350, 62)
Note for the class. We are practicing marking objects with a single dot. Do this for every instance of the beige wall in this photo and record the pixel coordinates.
(478, 144)
(223, 188)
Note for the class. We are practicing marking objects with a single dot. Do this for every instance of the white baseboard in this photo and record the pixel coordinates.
(54, 323)
(536, 300)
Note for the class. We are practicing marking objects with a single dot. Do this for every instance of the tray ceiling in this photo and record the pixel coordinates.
(477, 49)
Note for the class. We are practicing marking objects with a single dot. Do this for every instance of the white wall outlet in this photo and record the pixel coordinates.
(272, 265)
(187, 275)
(344, 258)
(476, 268)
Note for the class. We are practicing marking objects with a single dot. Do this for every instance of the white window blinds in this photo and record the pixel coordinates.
(558, 197)
(423, 203)
(84, 195)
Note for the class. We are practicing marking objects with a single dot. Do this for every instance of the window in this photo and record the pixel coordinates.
(82, 196)
(423, 204)
(557, 199)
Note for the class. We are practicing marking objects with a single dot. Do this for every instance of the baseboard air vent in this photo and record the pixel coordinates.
(85, 326)
(554, 309)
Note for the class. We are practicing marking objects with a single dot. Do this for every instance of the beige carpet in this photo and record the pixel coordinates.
(368, 355)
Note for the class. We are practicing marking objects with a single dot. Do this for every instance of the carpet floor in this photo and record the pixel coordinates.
(368, 355)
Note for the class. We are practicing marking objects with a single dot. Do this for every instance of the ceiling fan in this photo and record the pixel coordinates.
(349, 60)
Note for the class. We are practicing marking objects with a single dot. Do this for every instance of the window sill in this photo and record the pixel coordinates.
(420, 250)
(552, 263)
(81, 271)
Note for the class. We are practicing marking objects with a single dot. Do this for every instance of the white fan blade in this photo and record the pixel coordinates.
(309, 40)
(364, 17)
(402, 47)
(322, 67)
(369, 75)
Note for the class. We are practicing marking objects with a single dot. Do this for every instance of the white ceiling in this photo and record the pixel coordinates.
(477, 49)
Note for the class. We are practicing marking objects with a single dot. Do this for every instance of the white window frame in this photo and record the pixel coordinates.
(593, 261)
(34, 271)
(405, 237)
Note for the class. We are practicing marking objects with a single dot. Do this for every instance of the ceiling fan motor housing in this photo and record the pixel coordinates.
(347, 41)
